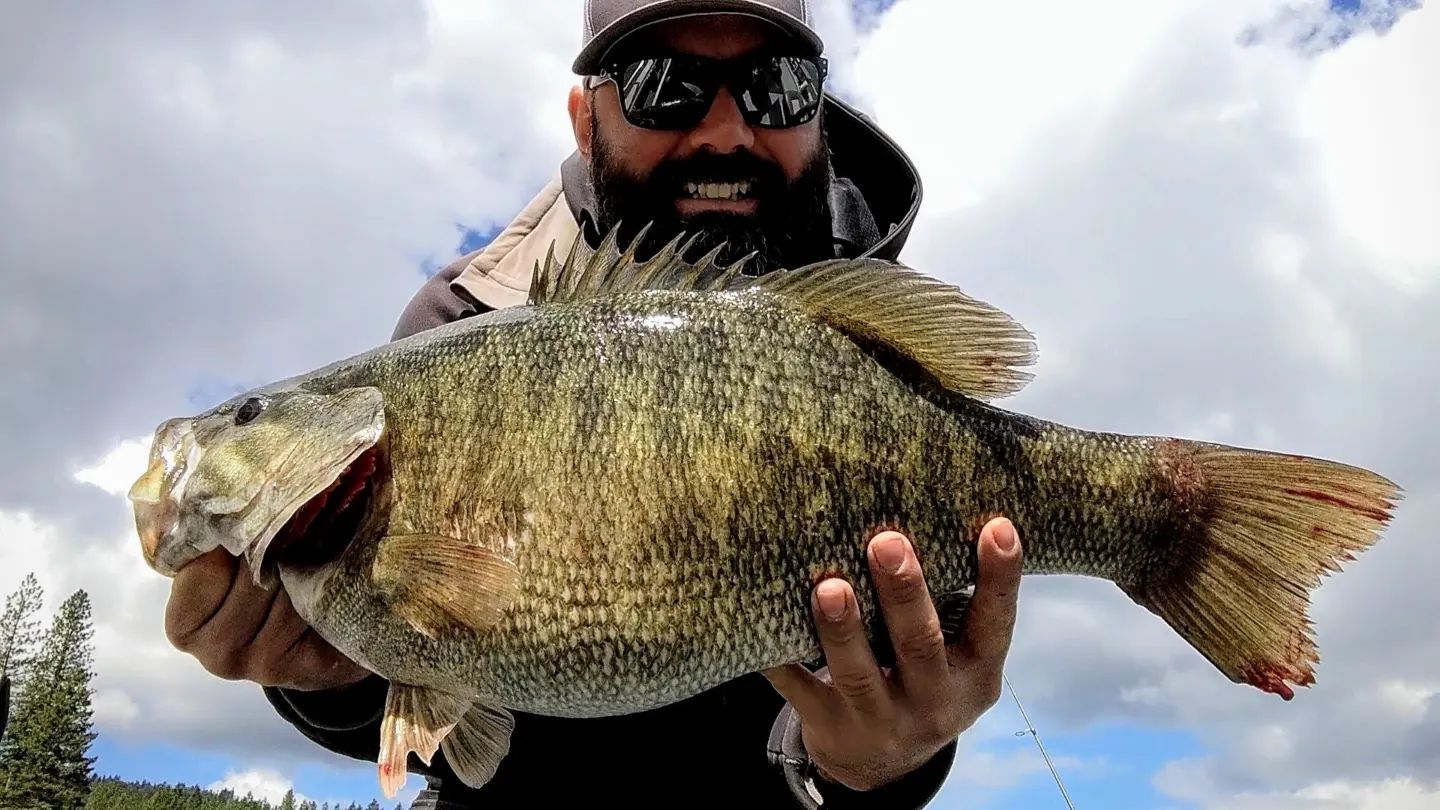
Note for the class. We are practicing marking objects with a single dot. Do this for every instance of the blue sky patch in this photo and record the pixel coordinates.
(471, 239)
(1119, 764)
(1317, 27)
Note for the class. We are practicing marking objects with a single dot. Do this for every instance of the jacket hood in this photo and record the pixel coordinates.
(874, 198)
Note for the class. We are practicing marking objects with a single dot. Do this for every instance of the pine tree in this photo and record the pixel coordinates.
(43, 758)
(19, 630)
(288, 803)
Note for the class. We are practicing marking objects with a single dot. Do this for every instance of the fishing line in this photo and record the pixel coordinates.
(1030, 729)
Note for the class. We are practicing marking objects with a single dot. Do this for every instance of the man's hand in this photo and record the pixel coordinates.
(239, 631)
(865, 727)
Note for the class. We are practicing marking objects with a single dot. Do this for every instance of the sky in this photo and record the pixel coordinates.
(1216, 217)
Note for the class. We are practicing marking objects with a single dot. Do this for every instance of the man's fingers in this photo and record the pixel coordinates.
(991, 619)
(282, 650)
(910, 617)
(854, 673)
(196, 594)
(314, 663)
(802, 689)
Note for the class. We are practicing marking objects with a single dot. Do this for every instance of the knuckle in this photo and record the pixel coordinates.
(987, 690)
(923, 644)
(227, 664)
(855, 684)
(181, 637)
(842, 634)
(264, 667)
(936, 728)
(907, 587)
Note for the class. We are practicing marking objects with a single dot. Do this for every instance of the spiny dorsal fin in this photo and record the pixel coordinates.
(608, 270)
(968, 345)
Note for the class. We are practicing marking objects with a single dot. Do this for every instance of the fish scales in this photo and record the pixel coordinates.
(623, 494)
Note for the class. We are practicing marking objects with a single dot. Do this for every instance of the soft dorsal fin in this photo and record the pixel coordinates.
(609, 271)
(967, 345)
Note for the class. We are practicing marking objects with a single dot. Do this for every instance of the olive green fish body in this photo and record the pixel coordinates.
(668, 526)
(624, 493)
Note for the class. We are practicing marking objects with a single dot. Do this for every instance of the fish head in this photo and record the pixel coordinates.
(237, 475)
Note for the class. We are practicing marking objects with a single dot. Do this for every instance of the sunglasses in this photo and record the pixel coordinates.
(675, 92)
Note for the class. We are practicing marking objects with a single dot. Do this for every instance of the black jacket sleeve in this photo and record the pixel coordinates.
(703, 743)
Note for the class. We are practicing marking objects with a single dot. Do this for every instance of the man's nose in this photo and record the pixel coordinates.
(723, 129)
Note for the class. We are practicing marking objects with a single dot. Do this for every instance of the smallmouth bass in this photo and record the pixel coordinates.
(622, 493)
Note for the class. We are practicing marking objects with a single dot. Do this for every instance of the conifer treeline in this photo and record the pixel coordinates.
(115, 794)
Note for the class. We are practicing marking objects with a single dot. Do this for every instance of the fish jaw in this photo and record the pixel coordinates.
(155, 495)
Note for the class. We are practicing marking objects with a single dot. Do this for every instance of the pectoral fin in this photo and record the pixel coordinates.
(441, 584)
(478, 744)
(416, 719)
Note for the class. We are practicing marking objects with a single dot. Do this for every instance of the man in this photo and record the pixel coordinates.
(707, 116)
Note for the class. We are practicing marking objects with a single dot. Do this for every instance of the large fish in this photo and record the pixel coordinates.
(622, 493)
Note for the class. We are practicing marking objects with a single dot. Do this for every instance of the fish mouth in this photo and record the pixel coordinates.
(155, 494)
(322, 527)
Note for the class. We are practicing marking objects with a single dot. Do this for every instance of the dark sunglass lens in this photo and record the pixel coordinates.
(783, 91)
(662, 93)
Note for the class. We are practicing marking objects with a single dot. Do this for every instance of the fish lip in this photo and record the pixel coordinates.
(155, 495)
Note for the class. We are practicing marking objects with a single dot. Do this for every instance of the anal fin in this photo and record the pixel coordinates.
(439, 584)
(416, 719)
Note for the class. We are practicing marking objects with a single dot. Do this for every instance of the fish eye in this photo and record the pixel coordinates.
(248, 410)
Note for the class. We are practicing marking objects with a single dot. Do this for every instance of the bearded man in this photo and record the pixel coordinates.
(708, 117)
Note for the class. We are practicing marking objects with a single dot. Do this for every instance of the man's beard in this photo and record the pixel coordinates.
(790, 225)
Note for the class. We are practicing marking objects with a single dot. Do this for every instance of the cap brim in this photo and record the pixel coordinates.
(587, 62)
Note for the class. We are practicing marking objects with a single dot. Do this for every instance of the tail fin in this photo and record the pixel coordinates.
(1274, 525)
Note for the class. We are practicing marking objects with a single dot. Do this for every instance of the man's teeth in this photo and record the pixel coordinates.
(717, 191)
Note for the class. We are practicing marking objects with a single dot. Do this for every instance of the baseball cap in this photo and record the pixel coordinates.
(609, 21)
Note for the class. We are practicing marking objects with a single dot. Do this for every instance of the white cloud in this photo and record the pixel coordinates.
(26, 546)
(972, 89)
(114, 708)
(1367, 106)
(1381, 794)
(115, 473)
(261, 783)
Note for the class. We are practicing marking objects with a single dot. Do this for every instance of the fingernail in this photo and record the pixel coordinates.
(1005, 536)
(890, 553)
(831, 596)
